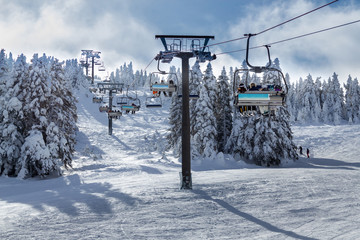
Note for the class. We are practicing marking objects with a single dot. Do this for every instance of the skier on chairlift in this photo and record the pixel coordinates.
(162, 82)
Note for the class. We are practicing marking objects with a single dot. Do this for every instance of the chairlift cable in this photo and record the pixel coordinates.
(278, 25)
(149, 63)
(292, 38)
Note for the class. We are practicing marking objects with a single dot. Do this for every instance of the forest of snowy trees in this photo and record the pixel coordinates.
(217, 128)
(38, 114)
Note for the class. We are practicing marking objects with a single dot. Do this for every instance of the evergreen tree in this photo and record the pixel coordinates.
(12, 123)
(62, 117)
(352, 100)
(195, 83)
(35, 157)
(223, 110)
(204, 138)
(175, 121)
(240, 142)
(333, 108)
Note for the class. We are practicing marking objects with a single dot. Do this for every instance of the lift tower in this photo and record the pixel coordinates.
(89, 54)
(185, 47)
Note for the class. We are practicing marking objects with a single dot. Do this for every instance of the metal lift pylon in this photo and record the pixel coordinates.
(177, 48)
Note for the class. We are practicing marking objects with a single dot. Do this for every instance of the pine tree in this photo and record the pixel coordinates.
(195, 83)
(352, 100)
(333, 108)
(62, 116)
(223, 110)
(175, 121)
(240, 142)
(35, 156)
(11, 137)
(204, 139)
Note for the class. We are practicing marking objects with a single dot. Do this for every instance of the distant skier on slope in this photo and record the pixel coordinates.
(300, 150)
(308, 153)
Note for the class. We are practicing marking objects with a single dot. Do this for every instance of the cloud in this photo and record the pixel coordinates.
(63, 28)
(320, 54)
(124, 31)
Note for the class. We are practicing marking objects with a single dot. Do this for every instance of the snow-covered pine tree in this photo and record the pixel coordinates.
(12, 122)
(333, 108)
(35, 156)
(204, 139)
(223, 111)
(195, 83)
(290, 99)
(12, 125)
(175, 121)
(352, 100)
(75, 74)
(62, 116)
(240, 142)
(308, 102)
(272, 140)
(4, 75)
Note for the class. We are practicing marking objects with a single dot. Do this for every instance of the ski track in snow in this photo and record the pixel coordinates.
(126, 186)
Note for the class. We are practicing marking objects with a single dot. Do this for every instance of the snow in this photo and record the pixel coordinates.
(126, 186)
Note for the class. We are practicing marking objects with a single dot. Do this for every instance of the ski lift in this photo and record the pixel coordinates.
(121, 100)
(266, 97)
(97, 99)
(101, 67)
(104, 108)
(192, 95)
(114, 114)
(169, 87)
(133, 104)
(129, 103)
(153, 102)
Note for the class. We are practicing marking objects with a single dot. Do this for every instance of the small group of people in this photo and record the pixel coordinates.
(158, 93)
(133, 109)
(114, 114)
(253, 87)
(307, 151)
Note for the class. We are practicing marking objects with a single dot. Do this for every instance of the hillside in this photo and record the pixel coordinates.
(126, 186)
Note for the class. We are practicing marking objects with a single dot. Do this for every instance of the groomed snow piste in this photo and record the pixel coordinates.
(126, 186)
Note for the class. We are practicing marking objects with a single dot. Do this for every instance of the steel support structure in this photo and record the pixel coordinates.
(201, 55)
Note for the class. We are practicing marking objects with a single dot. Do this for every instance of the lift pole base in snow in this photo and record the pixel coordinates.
(185, 181)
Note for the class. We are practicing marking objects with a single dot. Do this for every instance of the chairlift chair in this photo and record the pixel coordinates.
(97, 99)
(103, 108)
(121, 101)
(133, 105)
(266, 97)
(169, 87)
(153, 102)
(114, 114)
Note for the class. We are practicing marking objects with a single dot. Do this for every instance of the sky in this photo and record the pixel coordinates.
(124, 31)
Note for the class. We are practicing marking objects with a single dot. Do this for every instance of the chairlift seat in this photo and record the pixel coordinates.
(103, 108)
(153, 105)
(114, 114)
(130, 108)
(163, 87)
(97, 100)
(264, 98)
(191, 96)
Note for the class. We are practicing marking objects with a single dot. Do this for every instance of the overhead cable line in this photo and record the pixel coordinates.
(292, 38)
(149, 64)
(278, 25)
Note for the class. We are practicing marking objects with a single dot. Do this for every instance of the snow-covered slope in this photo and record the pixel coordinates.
(126, 186)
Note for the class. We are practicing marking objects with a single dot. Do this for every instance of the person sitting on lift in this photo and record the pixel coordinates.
(171, 83)
(241, 88)
(162, 82)
(133, 110)
(156, 93)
